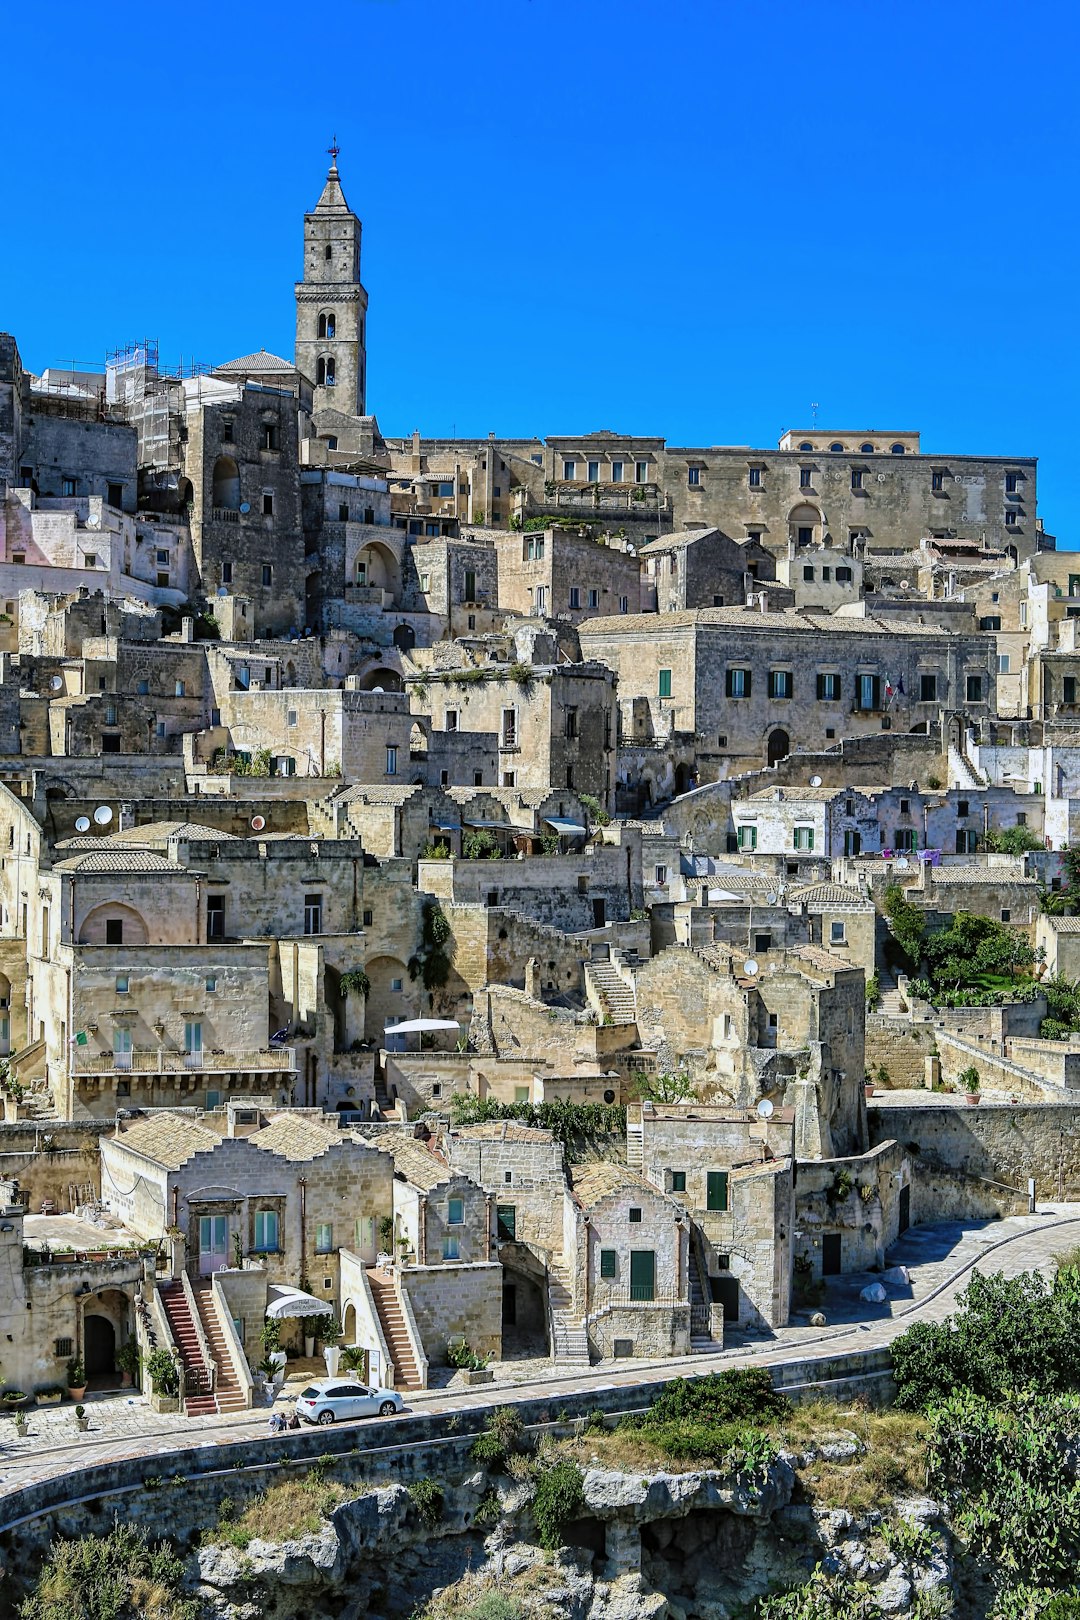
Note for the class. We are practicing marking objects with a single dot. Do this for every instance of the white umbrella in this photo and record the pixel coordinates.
(420, 1026)
(284, 1301)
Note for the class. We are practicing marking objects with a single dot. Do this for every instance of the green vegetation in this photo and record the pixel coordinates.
(355, 983)
(1063, 1008)
(1009, 1334)
(1012, 840)
(460, 1355)
(427, 1499)
(665, 1086)
(907, 922)
(975, 962)
(477, 844)
(163, 1373)
(717, 1420)
(560, 1497)
(431, 963)
(1064, 902)
(503, 1438)
(119, 1576)
(594, 809)
(575, 1125)
(873, 992)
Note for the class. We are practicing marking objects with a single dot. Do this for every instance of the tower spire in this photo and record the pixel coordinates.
(333, 149)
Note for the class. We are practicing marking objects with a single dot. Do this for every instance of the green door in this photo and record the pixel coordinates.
(506, 1222)
(642, 1274)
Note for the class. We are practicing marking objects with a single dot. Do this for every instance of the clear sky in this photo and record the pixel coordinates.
(692, 219)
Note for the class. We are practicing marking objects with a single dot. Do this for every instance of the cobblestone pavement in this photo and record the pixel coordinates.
(940, 1259)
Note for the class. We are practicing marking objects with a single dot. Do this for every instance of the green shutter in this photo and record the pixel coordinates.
(678, 1181)
(455, 1211)
(642, 1274)
(664, 686)
(506, 1222)
(607, 1262)
(716, 1190)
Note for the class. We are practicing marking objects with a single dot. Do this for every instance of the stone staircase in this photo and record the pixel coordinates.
(382, 1096)
(635, 1141)
(891, 1003)
(228, 1394)
(569, 1340)
(186, 1338)
(962, 772)
(392, 1321)
(616, 997)
(701, 1339)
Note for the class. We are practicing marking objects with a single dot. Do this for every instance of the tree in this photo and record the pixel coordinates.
(907, 922)
(971, 946)
(665, 1086)
(1012, 840)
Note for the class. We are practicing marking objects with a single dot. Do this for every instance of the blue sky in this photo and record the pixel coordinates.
(693, 219)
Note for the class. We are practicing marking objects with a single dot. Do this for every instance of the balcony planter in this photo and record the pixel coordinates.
(164, 1403)
(52, 1395)
(972, 1097)
(869, 1091)
(477, 1375)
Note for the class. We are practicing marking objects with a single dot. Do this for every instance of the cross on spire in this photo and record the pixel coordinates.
(333, 150)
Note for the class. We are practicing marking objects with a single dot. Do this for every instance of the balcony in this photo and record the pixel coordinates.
(224, 514)
(162, 1060)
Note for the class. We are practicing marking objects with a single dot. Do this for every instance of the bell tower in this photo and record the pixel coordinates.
(331, 303)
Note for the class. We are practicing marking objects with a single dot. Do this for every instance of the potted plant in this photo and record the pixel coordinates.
(127, 1360)
(404, 1249)
(49, 1395)
(21, 1426)
(968, 1082)
(81, 1419)
(76, 1378)
(330, 1333)
(274, 1354)
(164, 1376)
(353, 1360)
(474, 1369)
(11, 1399)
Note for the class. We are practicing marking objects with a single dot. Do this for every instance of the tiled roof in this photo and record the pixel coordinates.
(261, 362)
(420, 1165)
(601, 1178)
(814, 956)
(830, 894)
(684, 537)
(996, 875)
(378, 795)
(159, 832)
(502, 1130)
(126, 860)
(169, 1139)
(1064, 925)
(751, 618)
(741, 882)
(295, 1138)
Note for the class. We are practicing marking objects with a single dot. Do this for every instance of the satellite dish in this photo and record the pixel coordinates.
(245, 506)
(750, 967)
(82, 823)
(223, 590)
(905, 584)
(377, 689)
(57, 682)
(815, 781)
(770, 899)
(902, 865)
(103, 815)
(258, 823)
(765, 1109)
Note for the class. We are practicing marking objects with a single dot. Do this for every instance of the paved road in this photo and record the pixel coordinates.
(940, 1259)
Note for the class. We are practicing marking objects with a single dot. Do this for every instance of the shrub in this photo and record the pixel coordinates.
(504, 1435)
(560, 1497)
(460, 1355)
(427, 1499)
(163, 1372)
(112, 1577)
(743, 1395)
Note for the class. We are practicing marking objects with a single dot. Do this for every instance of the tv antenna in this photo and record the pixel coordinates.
(814, 408)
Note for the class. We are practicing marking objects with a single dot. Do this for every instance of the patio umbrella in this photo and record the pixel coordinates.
(421, 1026)
(285, 1301)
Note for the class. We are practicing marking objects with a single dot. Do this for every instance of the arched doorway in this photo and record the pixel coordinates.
(404, 638)
(778, 746)
(99, 1346)
(804, 524)
(226, 484)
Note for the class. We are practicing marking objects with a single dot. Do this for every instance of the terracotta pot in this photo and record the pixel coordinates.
(869, 1090)
(973, 1096)
(75, 1393)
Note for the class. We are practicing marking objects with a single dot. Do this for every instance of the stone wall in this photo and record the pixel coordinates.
(959, 1154)
(449, 1300)
(902, 1047)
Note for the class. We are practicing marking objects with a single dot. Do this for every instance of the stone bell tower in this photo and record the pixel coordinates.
(331, 304)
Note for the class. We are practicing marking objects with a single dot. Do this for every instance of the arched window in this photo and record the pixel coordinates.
(897, 449)
(806, 445)
(867, 449)
(331, 371)
(836, 446)
(325, 372)
(226, 484)
(329, 252)
(327, 324)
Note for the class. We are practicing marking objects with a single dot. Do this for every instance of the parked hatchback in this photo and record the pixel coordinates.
(329, 1400)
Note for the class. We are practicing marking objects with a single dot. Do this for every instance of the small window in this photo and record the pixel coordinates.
(836, 447)
(856, 478)
(455, 1211)
(267, 574)
(324, 1237)
(594, 597)
(843, 576)
(266, 1231)
(634, 1216)
(607, 1262)
(624, 604)
(1003, 664)
(616, 472)
(122, 984)
(663, 686)
(114, 930)
(737, 683)
(575, 596)
(211, 985)
(68, 486)
(641, 472)
(1068, 689)
(693, 477)
(313, 913)
(806, 477)
(762, 942)
(226, 573)
(594, 472)
(395, 986)
(837, 933)
(747, 837)
(63, 1347)
(828, 686)
(803, 838)
(927, 688)
(1006, 914)
(755, 477)
(808, 573)
(569, 471)
(974, 688)
(780, 683)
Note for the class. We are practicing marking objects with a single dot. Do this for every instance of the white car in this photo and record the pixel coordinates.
(329, 1400)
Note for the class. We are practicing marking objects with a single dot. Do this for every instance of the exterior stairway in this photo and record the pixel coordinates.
(701, 1339)
(228, 1394)
(186, 1339)
(569, 1340)
(891, 1003)
(616, 996)
(392, 1321)
(963, 773)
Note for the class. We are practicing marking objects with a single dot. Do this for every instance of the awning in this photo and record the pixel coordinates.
(421, 1026)
(284, 1301)
(494, 826)
(567, 829)
(447, 826)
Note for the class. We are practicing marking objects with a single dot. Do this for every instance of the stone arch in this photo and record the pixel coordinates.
(778, 746)
(405, 638)
(226, 484)
(93, 930)
(384, 1003)
(805, 524)
(377, 566)
(386, 680)
(107, 1323)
